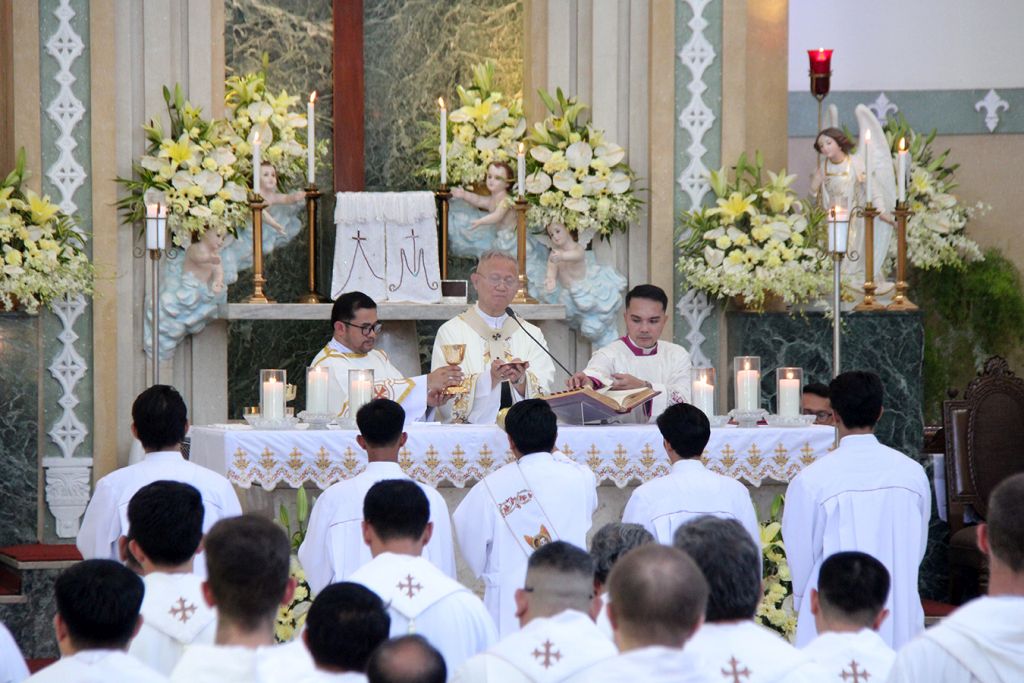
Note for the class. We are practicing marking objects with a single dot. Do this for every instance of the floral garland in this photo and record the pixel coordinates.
(575, 177)
(292, 617)
(193, 171)
(486, 127)
(776, 609)
(43, 257)
(758, 239)
(936, 232)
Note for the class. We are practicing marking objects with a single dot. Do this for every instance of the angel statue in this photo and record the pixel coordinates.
(842, 179)
(470, 233)
(591, 292)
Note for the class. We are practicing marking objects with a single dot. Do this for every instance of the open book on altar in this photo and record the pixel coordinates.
(586, 406)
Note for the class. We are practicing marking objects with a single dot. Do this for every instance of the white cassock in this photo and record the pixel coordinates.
(513, 511)
(982, 642)
(867, 497)
(174, 615)
(12, 663)
(422, 599)
(666, 366)
(106, 518)
(321, 676)
(334, 548)
(845, 655)
(654, 664)
(689, 490)
(388, 381)
(604, 623)
(546, 650)
(744, 651)
(98, 666)
(486, 339)
(239, 664)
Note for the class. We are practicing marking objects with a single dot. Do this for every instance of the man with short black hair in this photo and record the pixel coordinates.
(607, 545)
(409, 659)
(248, 559)
(862, 496)
(333, 547)
(848, 607)
(689, 489)
(557, 604)
(982, 641)
(815, 401)
(159, 421)
(97, 616)
(165, 528)
(345, 624)
(541, 497)
(420, 597)
(355, 329)
(730, 641)
(639, 358)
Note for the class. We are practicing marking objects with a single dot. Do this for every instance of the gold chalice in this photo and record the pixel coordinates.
(454, 354)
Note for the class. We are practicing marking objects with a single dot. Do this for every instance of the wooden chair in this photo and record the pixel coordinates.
(984, 444)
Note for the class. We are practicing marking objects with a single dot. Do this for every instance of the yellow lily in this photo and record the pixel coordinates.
(734, 206)
(41, 208)
(180, 151)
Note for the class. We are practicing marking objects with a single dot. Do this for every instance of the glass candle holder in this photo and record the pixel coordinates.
(702, 389)
(360, 390)
(747, 376)
(317, 382)
(789, 385)
(272, 389)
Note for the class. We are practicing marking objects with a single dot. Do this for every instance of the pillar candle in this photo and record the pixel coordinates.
(903, 170)
(748, 389)
(867, 166)
(256, 163)
(317, 381)
(311, 140)
(444, 142)
(838, 229)
(789, 397)
(273, 400)
(521, 169)
(156, 224)
(703, 396)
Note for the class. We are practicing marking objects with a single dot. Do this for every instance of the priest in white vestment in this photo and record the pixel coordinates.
(420, 597)
(12, 663)
(640, 359)
(540, 497)
(355, 330)
(657, 604)
(862, 496)
(97, 616)
(502, 364)
(982, 641)
(159, 421)
(730, 644)
(848, 607)
(690, 489)
(249, 560)
(165, 527)
(558, 639)
(333, 547)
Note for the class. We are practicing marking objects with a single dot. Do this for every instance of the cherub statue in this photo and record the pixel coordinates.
(842, 179)
(203, 262)
(591, 292)
(468, 232)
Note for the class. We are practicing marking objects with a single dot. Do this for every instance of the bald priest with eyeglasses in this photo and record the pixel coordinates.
(356, 328)
(502, 365)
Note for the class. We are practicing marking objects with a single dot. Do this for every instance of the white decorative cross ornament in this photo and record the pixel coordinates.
(992, 103)
(882, 106)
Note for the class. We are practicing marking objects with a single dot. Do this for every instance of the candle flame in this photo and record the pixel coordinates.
(440, 102)
(789, 374)
(522, 148)
(821, 49)
(867, 135)
(271, 379)
(312, 97)
(746, 365)
(256, 138)
(903, 145)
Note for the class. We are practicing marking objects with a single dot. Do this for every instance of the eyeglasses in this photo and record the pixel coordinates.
(366, 329)
(820, 416)
(495, 280)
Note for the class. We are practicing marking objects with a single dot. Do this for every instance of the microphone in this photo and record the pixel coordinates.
(512, 314)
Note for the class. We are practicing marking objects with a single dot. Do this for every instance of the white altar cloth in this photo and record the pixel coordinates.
(463, 454)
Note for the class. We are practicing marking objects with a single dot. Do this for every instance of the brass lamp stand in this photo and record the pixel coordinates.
(312, 200)
(868, 303)
(257, 205)
(900, 301)
(522, 294)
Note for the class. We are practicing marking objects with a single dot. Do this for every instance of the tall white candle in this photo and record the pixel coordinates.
(444, 142)
(703, 396)
(360, 389)
(867, 165)
(156, 222)
(838, 229)
(748, 389)
(521, 169)
(273, 399)
(256, 163)
(903, 170)
(311, 140)
(789, 397)
(317, 382)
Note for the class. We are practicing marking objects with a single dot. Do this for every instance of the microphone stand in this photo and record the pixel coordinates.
(512, 314)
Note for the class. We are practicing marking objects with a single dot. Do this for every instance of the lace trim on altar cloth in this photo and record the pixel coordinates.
(402, 208)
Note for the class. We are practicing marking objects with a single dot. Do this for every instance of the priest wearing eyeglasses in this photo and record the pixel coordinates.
(356, 328)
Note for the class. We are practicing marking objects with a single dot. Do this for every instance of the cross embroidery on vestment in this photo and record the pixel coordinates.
(853, 674)
(736, 671)
(548, 654)
(408, 586)
(182, 611)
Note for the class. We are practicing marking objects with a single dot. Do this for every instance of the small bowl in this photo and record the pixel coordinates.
(718, 420)
(794, 421)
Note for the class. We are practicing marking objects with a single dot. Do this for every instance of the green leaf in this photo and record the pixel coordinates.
(302, 505)
(282, 517)
(548, 102)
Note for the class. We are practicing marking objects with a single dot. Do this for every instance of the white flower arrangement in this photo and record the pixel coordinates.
(776, 608)
(936, 232)
(575, 176)
(43, 257)
(758, 239)
(193, 171)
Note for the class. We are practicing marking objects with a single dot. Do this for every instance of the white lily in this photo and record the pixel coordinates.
(619, 182)
(714, 257)
(182, 180)
(610, 153)
(579, 155)
(564, 180)
(581, 205)
(210, 181)
(537, 183)
(541, 154)
(592, 185)
(151, 163)
(259, 111)
(483, 143)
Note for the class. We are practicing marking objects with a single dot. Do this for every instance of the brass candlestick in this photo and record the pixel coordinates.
(869, 303)
(900, 302)
(443, 195)
(522, 294)
(257, 205)
(312, 197)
